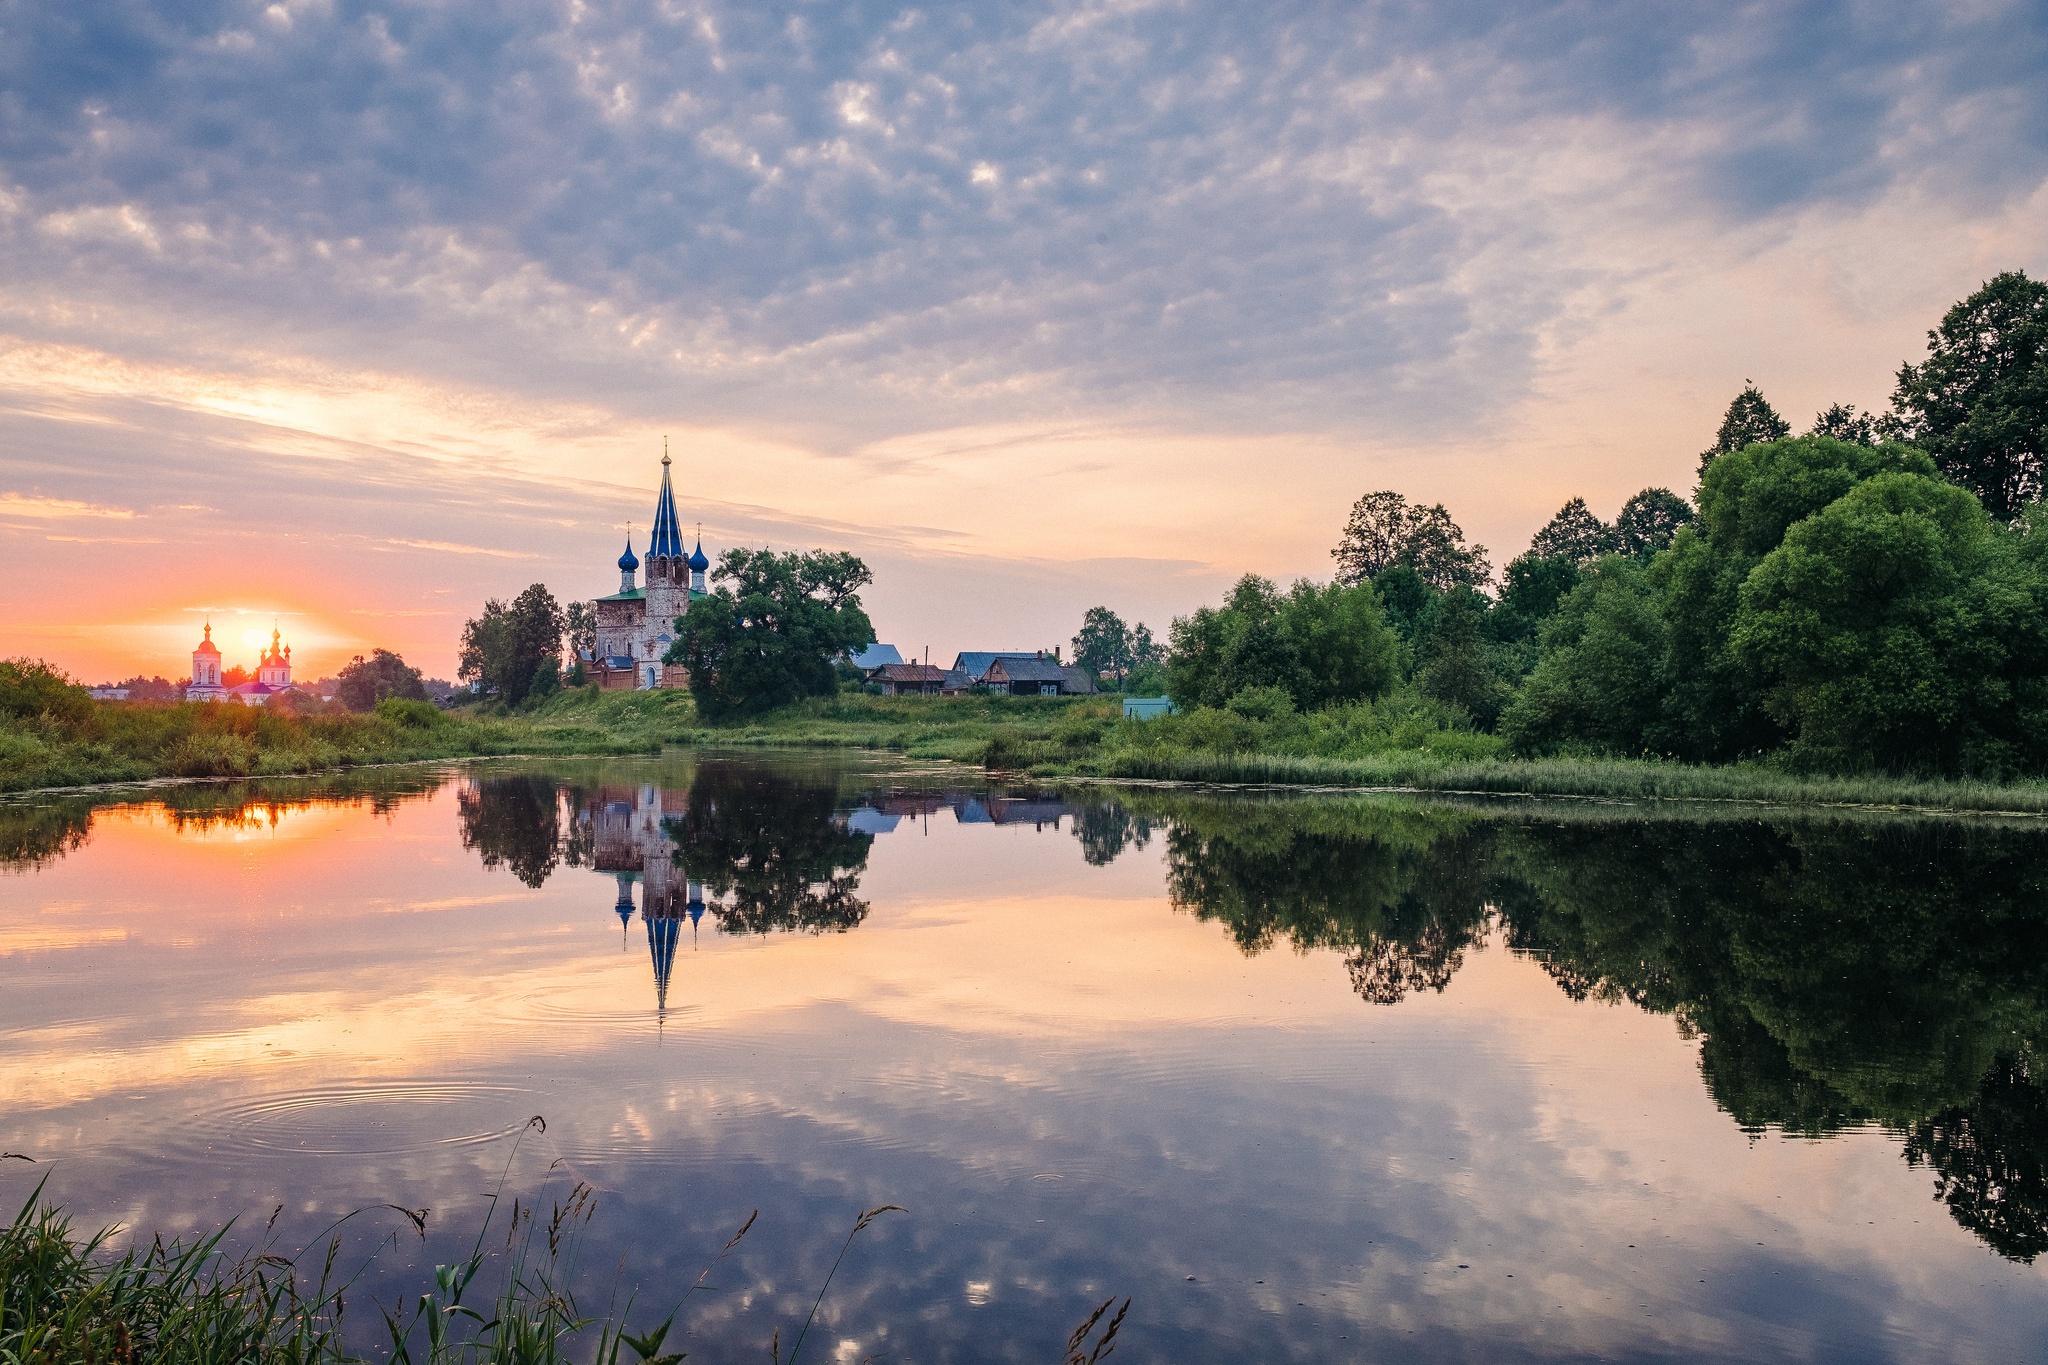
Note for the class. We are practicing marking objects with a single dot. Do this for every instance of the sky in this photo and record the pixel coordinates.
(346, 317)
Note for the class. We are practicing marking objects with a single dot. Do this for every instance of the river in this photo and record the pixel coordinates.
(1304, 1078)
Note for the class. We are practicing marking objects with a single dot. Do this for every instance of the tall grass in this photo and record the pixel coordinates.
(1611, 778)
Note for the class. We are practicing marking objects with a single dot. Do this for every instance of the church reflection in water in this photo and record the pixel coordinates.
(758, 853)
(630, 840)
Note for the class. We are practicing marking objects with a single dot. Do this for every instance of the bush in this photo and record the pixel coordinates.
(414, 715)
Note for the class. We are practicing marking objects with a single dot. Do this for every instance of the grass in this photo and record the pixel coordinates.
(1402, 741)
(104, 742)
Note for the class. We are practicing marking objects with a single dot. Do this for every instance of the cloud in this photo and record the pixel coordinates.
(1329, 214)
(61, 509)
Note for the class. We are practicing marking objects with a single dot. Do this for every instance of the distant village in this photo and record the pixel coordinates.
(631, 633)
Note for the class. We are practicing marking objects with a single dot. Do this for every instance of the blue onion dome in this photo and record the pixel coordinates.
(626, 560)
(697, 560)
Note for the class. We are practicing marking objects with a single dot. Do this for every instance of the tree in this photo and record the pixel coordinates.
(1750, 420)
(1842, 422)
(579, 629)
(1103, 646)
(361, 684)
(1598, 683)
(768, 634)
(1899, 630)
(1649, 520)
(514, 650)
(1979, 402)
(1457, 664)
(1574, 534)
(1531, 588)
(1319, 644)
(1384, 530)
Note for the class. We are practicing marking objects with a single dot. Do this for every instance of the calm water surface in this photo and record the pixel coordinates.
(1317, 1079)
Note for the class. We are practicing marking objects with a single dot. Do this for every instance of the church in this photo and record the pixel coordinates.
(273, 674)
(636, 624)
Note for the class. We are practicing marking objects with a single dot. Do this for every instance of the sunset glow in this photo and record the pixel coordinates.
(1088, 328)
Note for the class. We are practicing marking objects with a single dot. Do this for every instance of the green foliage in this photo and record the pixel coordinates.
(1574, 534)
(1898, 630)
(1106, 646)
(1750, 420)
(1320, 644)
(1384, 530)
(1598, 682)
(1457, 664)
(1750, 498)
(1842, 422)
(1979, 402)
(768, 635)
(362, 683)
(31, 688)
(1531, 589)
(513, 649)
(1650, 520)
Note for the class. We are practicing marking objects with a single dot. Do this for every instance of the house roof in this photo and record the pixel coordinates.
(874, 656)
(911, 673)
(1030, 669)
(975, 662)
(1079, 678)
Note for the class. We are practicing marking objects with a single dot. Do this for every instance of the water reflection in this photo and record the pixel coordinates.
(1833, 974)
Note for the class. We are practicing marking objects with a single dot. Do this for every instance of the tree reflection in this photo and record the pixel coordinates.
(1836, 972)
(1990, 1159)
(1397, 890)
(522, 824)
(770, 849)
(1106, 829)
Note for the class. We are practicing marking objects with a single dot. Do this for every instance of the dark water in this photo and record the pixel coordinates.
(1311, 1079)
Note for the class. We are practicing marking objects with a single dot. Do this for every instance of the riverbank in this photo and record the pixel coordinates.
(1400, 742)
(106, 742)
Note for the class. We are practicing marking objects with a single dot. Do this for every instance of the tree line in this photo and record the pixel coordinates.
(1869, 595)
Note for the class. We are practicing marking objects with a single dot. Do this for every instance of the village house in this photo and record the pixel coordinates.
(1037, 677)
(910, 680)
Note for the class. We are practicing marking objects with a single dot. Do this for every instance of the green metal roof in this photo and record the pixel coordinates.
(630, 595)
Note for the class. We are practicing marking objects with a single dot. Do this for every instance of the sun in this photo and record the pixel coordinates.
(255, 639)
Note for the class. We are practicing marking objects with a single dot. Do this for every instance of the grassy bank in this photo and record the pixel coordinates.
(1401, 741)
(123, 742)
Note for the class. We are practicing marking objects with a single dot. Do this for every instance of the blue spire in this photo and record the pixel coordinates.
(626, 561)
(668, 535)
(698, 563)
(662, 932)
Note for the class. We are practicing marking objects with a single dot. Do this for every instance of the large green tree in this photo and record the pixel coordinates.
(514, 650)
(1318, 643)
(1106, 646)
(1979, 402)
(1385, 530)
(1899, 629)
(362, 683)
(769, 633)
